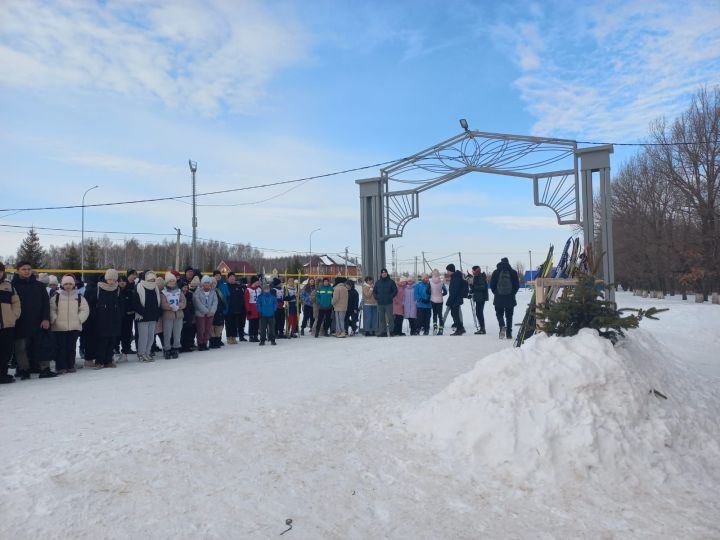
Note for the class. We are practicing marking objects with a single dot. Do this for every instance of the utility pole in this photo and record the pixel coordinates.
(177, 250)
(416, 257)
(394, 263)
(346, 256)
(193, 170)
(460, 257)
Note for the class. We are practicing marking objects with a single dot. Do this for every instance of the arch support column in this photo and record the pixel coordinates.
(596, 159)
(371, 223)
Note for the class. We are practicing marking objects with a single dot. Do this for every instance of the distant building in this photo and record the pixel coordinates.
(330, 265)
(239, 267)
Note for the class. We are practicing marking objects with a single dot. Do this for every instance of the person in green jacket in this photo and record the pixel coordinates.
(324, 296)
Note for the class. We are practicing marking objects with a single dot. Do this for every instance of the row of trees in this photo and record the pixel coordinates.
(666, 204)
(104, 253)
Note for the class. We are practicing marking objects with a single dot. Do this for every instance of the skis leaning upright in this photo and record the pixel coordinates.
(527, 327)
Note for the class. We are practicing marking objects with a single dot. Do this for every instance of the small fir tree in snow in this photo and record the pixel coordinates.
(71, 257)
(31, 250)
(586, 307)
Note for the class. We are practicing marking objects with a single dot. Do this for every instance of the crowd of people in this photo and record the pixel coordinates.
(43, 319)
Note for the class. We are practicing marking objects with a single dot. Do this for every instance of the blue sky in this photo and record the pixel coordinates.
(121, 94)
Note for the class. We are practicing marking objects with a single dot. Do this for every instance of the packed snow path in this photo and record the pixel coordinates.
(231, 443)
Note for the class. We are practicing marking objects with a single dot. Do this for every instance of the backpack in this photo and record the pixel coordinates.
(504, 284)
(464, 289)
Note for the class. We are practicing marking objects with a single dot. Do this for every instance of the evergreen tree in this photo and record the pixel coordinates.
(92, 255)
(71, 258)
(31, 250)
(585, 307)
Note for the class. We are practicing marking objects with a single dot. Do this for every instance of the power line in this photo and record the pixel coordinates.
(682, 143)
(178, 197)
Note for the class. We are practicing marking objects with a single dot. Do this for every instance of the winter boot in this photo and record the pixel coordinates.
(24, 374)
(232, 341)
(508, 333)
(47, 374)
(167, 355)
(440, 331)
(7, 379)
(174, 353)
(502, 332)
(302, 331)
(272, 342)
(262, 342)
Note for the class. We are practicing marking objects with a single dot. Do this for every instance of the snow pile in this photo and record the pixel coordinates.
(567, 409)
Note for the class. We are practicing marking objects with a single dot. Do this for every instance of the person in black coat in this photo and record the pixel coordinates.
(480, 296)
(504, 284)
(235, 318)
(108, 306)
(124, 343)
(33, 342)
(456, 292)
(187, 334)
(384, 290)
(351, 315)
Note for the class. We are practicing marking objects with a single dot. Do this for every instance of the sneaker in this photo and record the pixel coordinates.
(482, 331)
(262, 342)
(440, 331)
(174, 353)
(478, 332)
(123, 358)
(302, 331)
(167, 355)
(241, 338)
(47, 374)
(273, 342)
(508, 334)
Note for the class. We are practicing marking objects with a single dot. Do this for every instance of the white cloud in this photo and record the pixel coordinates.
(204, 56)
(606, 71)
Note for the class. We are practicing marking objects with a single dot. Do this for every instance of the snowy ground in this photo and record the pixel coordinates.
(414, 437)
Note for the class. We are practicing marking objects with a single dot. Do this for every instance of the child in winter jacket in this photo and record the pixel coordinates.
(68, 312)
(172, 303)
(422, 299)
(410, 306)
(267, 305)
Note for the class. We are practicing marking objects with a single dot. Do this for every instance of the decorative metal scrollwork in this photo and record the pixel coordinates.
(474, 151)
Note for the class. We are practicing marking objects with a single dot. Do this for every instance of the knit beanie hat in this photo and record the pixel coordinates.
(67, 278)
(111, 273)
(169, 276)
(150, 275)
(194, 282)
(206, 279)
(52, 280)
(43, 278)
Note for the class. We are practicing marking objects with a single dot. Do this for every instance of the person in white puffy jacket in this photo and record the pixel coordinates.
(68, 311)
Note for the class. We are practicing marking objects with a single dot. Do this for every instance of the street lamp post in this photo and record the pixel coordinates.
(82, 236)
(193, 253)
(310, 263)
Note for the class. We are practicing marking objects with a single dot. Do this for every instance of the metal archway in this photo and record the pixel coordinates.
(562, 176)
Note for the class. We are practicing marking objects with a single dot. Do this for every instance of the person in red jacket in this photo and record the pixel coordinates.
(251, 294)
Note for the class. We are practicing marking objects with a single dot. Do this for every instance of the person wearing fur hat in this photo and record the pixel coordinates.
(52, 285)
(172, 303)
(68, 312)
(251, 293)
(9, 314)
(146, 301)
(205, 302)
(187, 336)
(107, 306)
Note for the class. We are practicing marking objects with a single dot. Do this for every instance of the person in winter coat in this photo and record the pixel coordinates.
(291, 297)
(218, 321)
(504, 284)
(278, 290)
(398, 307)
(437, 291)
(172, 303)
(458, 291)
(68, 312)
(235, 318)
(251, 294)
(123, 344)
(421, 294)
(369, 308)
(88, 337)
(479, 292)
(33, 342)
(205, 301)
(10, 310)
(351, 316)
(147, 309)
(267, 307)
(187, 336)
(324, 298)
(340, 304)
(410, 305)
(384, 291)
(307, 297)
(107, 307)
